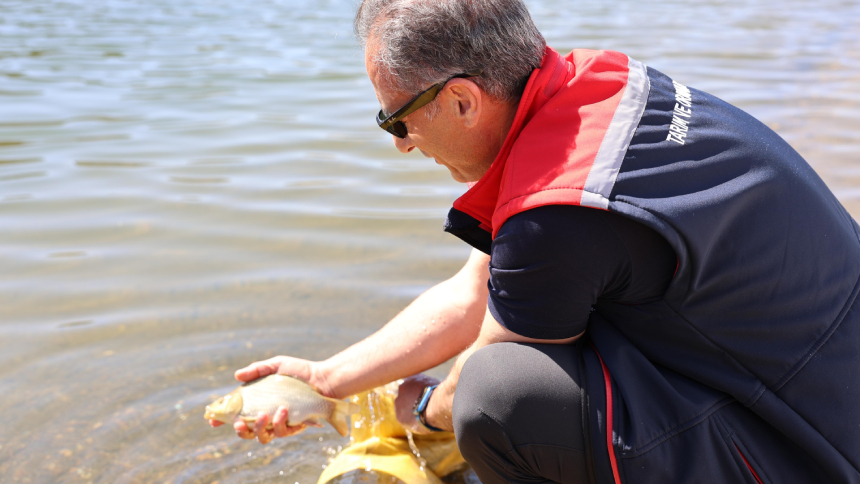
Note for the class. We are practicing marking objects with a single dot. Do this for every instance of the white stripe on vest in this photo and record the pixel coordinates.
(615, 142)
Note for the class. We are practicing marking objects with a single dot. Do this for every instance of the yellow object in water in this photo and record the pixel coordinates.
(380, 444)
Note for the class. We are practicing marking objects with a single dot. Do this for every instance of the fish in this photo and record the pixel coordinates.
(304, 404)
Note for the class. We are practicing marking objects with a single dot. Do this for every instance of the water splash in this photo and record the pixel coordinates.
(370, 399)
(382, 451)
(422, 463)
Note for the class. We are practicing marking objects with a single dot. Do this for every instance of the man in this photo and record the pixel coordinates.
(662, 289)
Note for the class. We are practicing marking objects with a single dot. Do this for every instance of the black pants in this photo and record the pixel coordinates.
(518, 414)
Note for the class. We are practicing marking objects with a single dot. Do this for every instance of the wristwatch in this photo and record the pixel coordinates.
(421, 407)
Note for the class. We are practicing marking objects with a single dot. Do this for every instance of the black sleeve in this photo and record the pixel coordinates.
(550, 265)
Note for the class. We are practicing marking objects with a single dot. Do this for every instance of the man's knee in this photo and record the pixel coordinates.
(482, 383)
(481, 438)
(530, 390)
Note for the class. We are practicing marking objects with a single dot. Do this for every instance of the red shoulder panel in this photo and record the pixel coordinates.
(562, 118)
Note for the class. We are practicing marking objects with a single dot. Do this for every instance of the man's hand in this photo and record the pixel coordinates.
(304, 370)
(437, 326)
(263, 434)
(284, 365)
(407, 397)
(439, 408)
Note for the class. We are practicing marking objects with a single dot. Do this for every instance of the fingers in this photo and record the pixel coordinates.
(279, 422)
(260, 431)
(242, 430)
(264, 435)
(258, 369)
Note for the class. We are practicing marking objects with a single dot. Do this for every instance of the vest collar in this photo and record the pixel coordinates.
(565, 119)
(480, 200)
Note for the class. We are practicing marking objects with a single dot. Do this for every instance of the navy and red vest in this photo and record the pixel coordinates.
(748, 369)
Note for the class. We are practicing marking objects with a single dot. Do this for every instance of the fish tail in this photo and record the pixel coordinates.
(340, 416)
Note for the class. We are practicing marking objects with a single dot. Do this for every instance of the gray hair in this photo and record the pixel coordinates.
(422, 42)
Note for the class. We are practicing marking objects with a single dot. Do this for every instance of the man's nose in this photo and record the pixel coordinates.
(404, 145)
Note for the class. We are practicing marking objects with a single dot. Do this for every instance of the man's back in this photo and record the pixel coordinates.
(756, 329)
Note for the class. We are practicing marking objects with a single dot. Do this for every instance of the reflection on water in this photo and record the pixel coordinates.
(187, 186)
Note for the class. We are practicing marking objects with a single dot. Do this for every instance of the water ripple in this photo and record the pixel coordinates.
(187, 186)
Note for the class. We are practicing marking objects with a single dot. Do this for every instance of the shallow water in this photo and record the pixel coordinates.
(187, 186)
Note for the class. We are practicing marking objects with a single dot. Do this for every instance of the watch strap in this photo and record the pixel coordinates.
(421, 408)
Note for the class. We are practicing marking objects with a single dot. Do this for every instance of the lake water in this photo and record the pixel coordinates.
(187, 186)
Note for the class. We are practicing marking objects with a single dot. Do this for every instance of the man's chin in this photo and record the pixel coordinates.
(458, 177)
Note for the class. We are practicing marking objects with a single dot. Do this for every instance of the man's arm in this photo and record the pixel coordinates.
(435, 327)
(438, 413)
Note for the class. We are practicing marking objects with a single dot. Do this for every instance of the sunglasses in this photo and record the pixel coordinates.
(393, 123)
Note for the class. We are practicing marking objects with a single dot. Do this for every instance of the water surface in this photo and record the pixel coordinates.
(187, 186)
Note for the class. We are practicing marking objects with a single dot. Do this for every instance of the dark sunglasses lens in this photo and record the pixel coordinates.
(398, 129)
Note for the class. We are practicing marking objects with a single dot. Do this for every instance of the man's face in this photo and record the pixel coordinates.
(442, 138)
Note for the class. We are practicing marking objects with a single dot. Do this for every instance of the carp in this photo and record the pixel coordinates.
(304, 404)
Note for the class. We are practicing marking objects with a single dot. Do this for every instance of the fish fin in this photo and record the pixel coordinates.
(340, 416)
(312, 422)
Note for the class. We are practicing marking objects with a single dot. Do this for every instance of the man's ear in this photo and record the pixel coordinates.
(465, 99)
